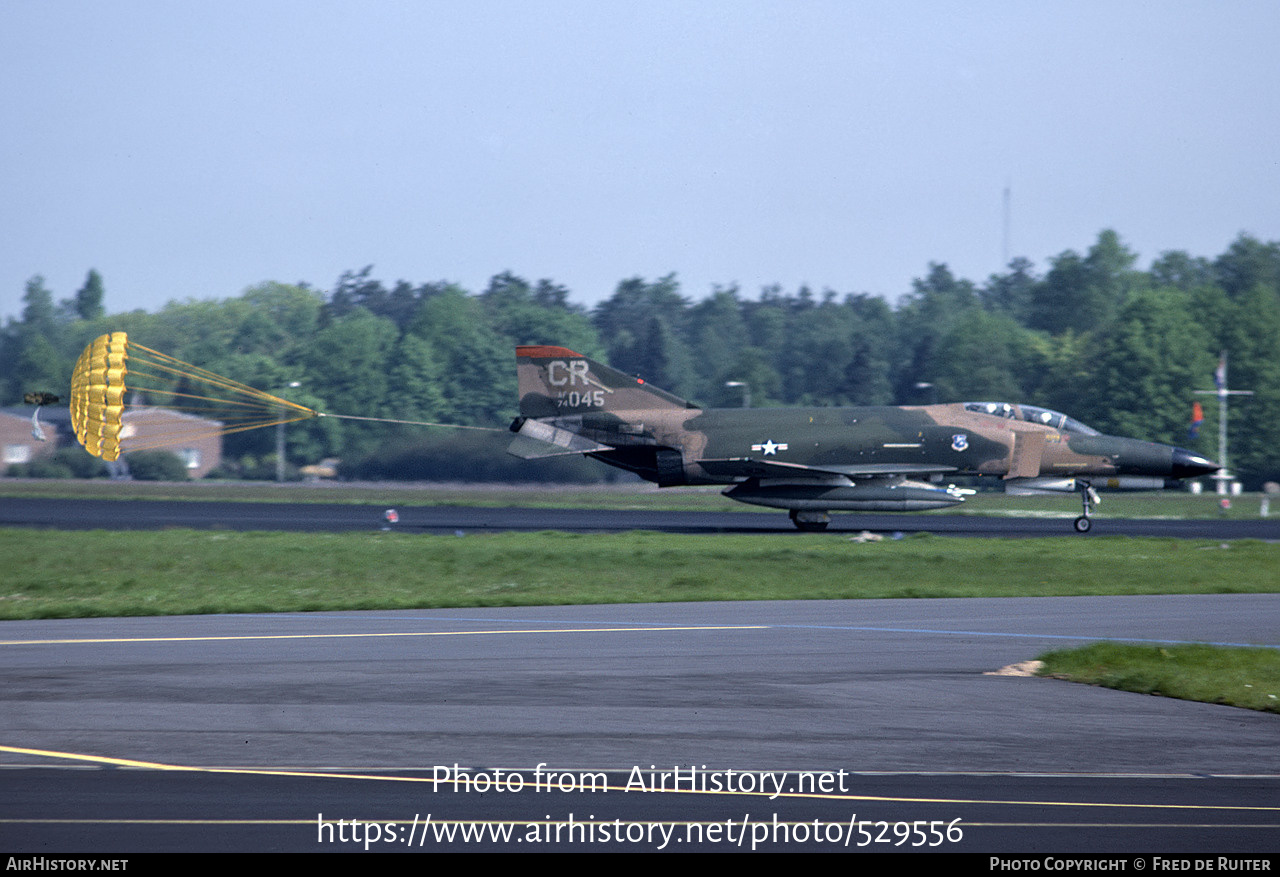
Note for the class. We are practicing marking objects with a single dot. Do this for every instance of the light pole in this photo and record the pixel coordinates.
(746, 391)
(1222, 476)
(280, 440)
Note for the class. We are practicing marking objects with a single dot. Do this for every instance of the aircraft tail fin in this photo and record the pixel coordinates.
(556, 382)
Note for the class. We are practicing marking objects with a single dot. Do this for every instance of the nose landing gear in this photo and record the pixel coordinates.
(1088, 499)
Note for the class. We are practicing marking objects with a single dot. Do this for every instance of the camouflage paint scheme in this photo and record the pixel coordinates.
(814, 460)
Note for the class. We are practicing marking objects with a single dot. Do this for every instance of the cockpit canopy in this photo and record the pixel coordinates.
(1031, 414)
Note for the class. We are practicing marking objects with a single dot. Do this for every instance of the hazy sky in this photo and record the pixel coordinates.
(190, 150)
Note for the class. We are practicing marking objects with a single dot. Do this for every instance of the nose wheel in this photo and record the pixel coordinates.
(1088, 499)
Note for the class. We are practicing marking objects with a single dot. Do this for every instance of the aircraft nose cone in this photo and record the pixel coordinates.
(1188, 465)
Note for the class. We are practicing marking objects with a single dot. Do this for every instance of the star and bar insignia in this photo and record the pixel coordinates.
(770, 447)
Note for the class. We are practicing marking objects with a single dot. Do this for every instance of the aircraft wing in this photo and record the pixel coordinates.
(750, 467)
(536, 439)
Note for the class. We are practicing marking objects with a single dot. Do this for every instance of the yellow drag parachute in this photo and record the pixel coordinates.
(112, 366)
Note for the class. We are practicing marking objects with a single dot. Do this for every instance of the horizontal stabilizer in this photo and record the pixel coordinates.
(536, 439)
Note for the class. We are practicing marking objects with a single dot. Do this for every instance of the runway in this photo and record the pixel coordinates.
(874, 719)
(70, 514)
(281, 725)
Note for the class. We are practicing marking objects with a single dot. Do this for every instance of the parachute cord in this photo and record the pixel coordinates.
(411, 422)
(176, 366)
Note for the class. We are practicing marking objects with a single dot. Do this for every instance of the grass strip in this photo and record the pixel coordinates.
(1241, 677)
(52, 574)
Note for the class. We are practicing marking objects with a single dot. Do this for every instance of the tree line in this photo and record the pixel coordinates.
(1094, 335)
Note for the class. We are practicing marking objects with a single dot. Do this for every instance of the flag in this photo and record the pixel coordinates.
(1197, 418)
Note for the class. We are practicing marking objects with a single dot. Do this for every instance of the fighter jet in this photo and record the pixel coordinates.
(813, 461)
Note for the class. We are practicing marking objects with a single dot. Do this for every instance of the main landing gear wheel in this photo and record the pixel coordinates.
(810, 521)
(1083, 524)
